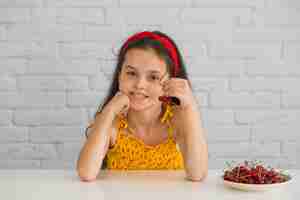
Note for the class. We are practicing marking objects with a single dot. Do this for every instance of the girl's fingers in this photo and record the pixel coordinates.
(176, 92)
(172, 87)
(120, 92)
(164, 79)
(124, 110)
(172, 92)
(176, 82)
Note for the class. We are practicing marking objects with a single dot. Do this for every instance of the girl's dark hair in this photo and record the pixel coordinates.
(145, 44)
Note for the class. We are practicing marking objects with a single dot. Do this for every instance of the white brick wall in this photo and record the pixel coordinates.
(57, 57)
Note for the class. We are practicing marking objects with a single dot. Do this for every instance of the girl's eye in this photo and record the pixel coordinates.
(130, 73)
(154, 78)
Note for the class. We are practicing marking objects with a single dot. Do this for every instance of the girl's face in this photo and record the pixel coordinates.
(140, 78)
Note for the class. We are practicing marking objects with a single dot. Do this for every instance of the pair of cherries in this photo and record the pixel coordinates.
(169, 99)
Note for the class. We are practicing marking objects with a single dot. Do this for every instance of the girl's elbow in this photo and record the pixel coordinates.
(196, 178)
(86, 177)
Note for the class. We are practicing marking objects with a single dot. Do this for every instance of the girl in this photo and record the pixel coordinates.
(138, 127)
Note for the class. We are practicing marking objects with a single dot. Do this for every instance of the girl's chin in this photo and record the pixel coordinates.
(138, 106)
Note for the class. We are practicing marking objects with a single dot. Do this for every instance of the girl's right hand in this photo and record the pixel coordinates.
(119, 104)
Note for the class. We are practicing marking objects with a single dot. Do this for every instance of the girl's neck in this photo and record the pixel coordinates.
(143, 121)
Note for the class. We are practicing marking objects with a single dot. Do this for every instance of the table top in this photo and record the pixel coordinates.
(65, 184)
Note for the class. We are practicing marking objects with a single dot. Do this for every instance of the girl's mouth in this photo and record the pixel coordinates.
(138, 96)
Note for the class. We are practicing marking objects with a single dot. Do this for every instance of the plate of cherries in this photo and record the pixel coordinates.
(254, 176)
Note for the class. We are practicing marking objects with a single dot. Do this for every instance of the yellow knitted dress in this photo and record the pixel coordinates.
(131, 153)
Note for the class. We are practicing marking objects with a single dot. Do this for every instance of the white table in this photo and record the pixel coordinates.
(141, 185)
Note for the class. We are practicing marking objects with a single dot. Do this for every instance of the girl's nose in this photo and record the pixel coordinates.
(141, 83)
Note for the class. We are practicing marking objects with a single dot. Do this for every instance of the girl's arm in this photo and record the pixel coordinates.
(189, 131)
(96, 146)
(192, 142)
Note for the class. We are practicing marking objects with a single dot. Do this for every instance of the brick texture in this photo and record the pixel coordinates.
(57, 58)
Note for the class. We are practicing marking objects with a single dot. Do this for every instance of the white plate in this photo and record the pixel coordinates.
(255, 187)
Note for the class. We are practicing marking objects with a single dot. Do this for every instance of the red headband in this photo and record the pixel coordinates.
(164, 41)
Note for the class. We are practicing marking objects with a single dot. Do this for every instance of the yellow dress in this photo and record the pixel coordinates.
(131, 153)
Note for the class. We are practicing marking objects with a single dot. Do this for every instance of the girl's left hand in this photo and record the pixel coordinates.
(180, 88)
